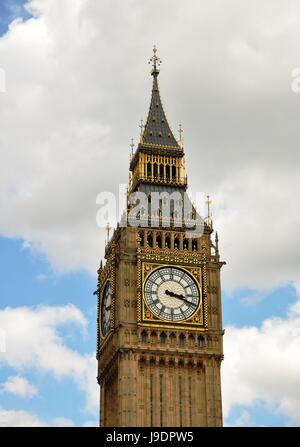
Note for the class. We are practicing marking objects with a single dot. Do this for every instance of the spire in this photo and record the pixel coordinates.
(217, 244)
(209, 218)
(157, 131)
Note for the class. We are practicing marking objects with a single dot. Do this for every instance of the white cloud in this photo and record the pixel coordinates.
(20, 418)
(91, 423)
(243, 420)
(263, 364)
(19, 386)
(33, 341)
(77, 85)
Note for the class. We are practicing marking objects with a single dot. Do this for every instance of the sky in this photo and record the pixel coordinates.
(74, 84)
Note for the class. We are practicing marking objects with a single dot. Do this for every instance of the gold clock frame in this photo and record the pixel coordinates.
(197, 321)
(108, 273)
(100, 313)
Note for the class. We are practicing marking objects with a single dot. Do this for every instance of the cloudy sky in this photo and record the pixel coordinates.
(74, 84)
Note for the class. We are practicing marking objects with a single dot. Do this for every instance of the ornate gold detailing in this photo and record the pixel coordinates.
(105, 274)
(132, 146)
(157, 168)
(204, 282)
(155, 61)
(209, 218)
(108, 228)
(141, 126)
(198, 321)
(148, 315)
(180, 131)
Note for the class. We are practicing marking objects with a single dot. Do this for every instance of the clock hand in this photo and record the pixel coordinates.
(180, 297)
(108, 308)
(173, 294)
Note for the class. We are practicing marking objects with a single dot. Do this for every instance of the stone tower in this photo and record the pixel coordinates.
(159, 340)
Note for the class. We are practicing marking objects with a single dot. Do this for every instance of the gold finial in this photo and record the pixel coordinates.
(132, 146)
(155, 61)
(217, 244)
(208, 203)
(180, 130)
(108, 228)
(141, 126)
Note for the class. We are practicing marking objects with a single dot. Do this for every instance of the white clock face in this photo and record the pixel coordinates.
(171, 294)
(106, 309)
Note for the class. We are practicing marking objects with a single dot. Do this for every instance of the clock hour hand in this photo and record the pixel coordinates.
(180, 297)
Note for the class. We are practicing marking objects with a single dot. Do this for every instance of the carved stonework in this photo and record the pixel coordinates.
(157, 369)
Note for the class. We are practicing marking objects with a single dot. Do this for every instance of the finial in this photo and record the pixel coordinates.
(108, 228)
(209, 219)
(155, 61)
(141, 126)
(180, 130)
(132, 146)
(101, 265)
(217, 245)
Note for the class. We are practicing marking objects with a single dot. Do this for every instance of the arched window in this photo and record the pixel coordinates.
(181, 339)
(168, 171)
(195, 244)
(148, 169)
(168, 242)
(176, 242)
(155, 170)
(149, 240)
(172, 339)
(144, 336)
(158, 241)
(163, 338)
(200, 341)
(191, 340)
(173, 172)
(153, 337)
(161, 171)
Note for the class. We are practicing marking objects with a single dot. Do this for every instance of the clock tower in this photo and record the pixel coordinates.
(159, 337)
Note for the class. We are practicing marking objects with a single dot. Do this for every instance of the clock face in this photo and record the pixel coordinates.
(106, 309)
(171, 294)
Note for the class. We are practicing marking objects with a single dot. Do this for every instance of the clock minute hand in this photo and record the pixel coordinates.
(180, 297)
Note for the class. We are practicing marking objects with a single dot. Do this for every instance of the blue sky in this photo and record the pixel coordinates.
(27, 280)
(53, 167)
(10, 10)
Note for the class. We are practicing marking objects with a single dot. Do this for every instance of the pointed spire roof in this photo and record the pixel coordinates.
(157, 131)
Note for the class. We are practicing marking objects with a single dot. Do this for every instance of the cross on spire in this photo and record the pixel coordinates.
(157, 131)
(155, 61)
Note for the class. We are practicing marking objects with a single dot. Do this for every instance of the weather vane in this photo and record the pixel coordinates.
(155, 61)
